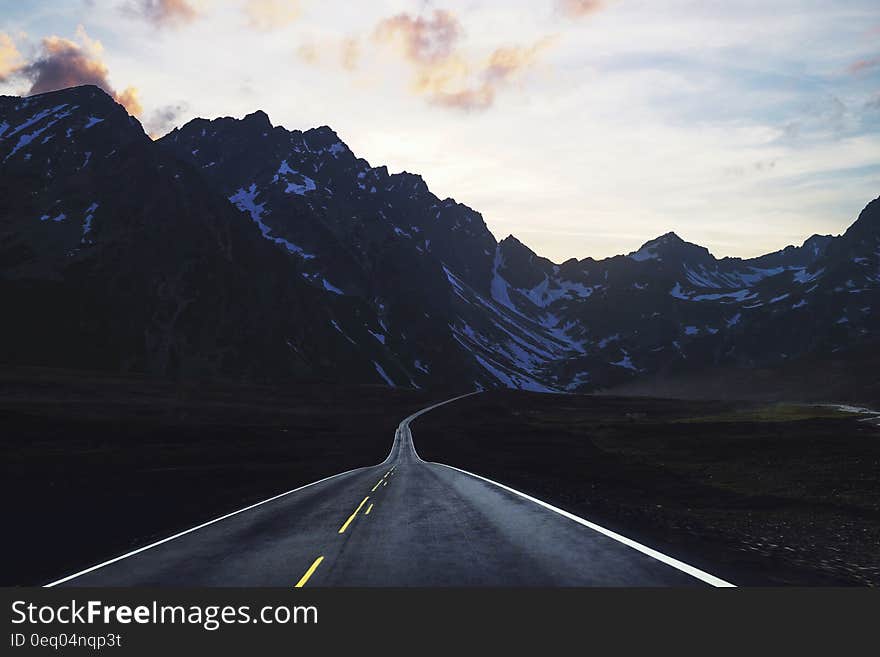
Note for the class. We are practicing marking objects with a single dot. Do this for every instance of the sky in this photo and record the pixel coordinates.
(583, 127)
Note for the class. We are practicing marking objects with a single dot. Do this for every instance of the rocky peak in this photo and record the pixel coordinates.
(867, 227)
(669, 247)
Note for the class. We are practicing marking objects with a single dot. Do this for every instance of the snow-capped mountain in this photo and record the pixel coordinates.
(238, 248)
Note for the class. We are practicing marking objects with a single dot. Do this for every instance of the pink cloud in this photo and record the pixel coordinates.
(63, 63)
(421, 40)
(863, 65)
(579, 8)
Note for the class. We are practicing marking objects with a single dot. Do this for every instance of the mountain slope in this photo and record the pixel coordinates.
(421, 264)
(242, 249)
(117, 257)
(672, 307)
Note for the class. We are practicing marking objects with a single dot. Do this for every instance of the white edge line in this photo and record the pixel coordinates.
(644, 549)
(247, 508)
(404, 424)
(192, 529)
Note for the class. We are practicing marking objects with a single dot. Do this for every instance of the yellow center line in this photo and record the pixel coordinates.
(351, 517)
(369, 508)
(384, 483)
(311, 571)
(378, 483)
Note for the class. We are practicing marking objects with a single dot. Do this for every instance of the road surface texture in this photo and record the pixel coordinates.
(404, 522)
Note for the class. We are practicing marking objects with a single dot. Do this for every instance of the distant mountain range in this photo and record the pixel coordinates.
(234, 248)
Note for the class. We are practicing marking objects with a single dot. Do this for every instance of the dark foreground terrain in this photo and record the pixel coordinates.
(757, 494)
(95, 466)
(753, 493)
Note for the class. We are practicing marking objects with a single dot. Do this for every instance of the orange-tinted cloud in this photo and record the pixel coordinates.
(579, 8)
(442, 73)
(475, 88)
(863, 65)
(64, 63)
(129, 98)
(309, 53)
(10, 59)
(505, 63)
(271, 14)
(475, 98)
(350, 53)
(345, 53)
(163, 13)
(421, 40)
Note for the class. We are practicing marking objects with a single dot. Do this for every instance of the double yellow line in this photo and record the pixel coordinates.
(317, 562)
(352, 516)
(383, 480)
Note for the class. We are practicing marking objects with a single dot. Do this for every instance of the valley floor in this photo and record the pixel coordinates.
(757, 494)
(95, 466)
(754, 493)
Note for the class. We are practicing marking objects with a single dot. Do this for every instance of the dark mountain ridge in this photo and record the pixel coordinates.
(237, 248)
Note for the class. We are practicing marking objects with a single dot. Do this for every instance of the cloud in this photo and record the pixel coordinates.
(500, 69)
(421, 40)
(309, 53)
(10, 59)
(345, 52)
(162, 120)
(579, 8)
(863, 65)
(505, 63)
(129, 98)
(269, 15)
(350, 53)
(164, 13)
(63, 63)
(442, 73)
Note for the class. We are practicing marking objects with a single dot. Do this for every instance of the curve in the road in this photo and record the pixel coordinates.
(403, 522)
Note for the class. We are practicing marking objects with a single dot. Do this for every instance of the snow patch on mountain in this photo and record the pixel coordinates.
(330, 287)
(307, 185)
(245, 200)
(678, 293)
(626, 363)
(36, 118)
(499, 287)
(335, 325)
(510, 380)
(804, 277)
(543, 295)
(383, 374)
(645, 253)
(87, 223)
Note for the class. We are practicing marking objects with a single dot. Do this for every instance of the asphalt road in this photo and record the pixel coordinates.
(404, 522)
